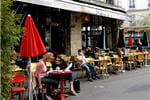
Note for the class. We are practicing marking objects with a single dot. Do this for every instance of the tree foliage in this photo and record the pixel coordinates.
(10, 35)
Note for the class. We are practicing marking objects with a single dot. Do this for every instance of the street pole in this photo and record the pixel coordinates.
(104, 39)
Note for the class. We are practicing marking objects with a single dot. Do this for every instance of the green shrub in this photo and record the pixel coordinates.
(10, 36)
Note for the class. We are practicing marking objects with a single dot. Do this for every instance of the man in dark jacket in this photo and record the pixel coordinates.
(89, 52)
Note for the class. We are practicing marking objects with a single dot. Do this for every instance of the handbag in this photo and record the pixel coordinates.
(76, 84)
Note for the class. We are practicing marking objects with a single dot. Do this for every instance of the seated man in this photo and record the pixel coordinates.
(89, 52)
(90, 69)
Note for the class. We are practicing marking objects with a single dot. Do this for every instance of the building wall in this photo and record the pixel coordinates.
(139, 4)
(140, 20)
(141, 11)
(76, 36)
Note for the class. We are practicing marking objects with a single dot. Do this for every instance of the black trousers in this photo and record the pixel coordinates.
(49, 84)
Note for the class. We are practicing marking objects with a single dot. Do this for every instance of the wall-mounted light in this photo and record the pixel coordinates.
(86, 19)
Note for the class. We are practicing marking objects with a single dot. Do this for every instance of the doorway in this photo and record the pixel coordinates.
(60, 31)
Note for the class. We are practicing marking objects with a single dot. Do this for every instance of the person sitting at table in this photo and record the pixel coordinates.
(90, 69)
(59, 64)
(139, 45)
(89, 52)
(97, 50)
(41, 76)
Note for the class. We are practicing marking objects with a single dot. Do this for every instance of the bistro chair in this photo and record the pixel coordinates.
(148, 56)
(17, 90)
(102, 67)
(97, 55)
(35, 85)
(18, 78)
(117, 63)
(77, 67)
(140, 60)
(130, 62)
(67, 59)
(36, 89)
(62, 55)
(108, 63)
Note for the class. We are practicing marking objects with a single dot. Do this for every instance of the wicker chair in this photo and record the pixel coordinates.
(117, 63)
(140, 60)
(130, 62)
(102, 67)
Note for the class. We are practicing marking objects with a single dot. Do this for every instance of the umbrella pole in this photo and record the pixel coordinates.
(30, 81)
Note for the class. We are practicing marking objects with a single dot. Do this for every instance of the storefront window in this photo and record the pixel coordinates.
(92, 32)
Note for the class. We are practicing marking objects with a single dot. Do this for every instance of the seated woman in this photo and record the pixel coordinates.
(60, 64)
(40, 74)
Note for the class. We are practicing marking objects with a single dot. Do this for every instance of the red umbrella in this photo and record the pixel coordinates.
(31, 46)
(31, 43)
(130, 42)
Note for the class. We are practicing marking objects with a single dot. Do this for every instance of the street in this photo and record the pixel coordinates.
(131, 85)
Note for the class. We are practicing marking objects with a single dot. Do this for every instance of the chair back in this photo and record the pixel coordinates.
(131, 58)
(148, 56)
(62, 55)
(97, 55)
(118, 60)
(33, 66)
(140, 56)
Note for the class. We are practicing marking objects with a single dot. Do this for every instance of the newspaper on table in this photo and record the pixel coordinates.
(66, 69)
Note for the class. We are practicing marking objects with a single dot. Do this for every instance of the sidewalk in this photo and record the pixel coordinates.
(131, 85)
(101, 87)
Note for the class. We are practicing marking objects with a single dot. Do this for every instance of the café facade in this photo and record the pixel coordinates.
(68, 25)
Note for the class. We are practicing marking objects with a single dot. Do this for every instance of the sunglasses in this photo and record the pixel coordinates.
(57, 60)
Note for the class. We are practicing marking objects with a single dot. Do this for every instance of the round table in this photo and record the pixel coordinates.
(61, 79)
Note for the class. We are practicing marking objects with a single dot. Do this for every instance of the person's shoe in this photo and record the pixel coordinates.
(73, 93)
(48, 98)
(54, 92)
(90, 80)
(77, 90)
(97, 77)
(123, 71)
(94, 78)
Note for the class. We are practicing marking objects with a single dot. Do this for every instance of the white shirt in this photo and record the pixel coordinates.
(82, 59)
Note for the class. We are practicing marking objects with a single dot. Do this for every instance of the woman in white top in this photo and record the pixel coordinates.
(90, 69)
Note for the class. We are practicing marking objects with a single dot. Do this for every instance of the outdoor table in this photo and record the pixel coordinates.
(61, 79)
(15, 68)
(113, 58)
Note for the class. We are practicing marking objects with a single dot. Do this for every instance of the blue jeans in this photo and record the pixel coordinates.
(90, 70)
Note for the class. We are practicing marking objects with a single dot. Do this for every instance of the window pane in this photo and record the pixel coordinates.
(131, 3)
